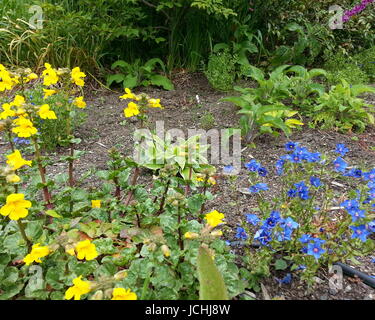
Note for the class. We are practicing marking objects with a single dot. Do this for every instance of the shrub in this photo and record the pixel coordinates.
(221, 70)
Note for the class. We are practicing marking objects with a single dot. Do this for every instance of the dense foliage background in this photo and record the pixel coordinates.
(95, 33)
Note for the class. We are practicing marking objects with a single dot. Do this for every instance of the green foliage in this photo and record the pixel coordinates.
(347, 68)
(304, 50)
(207, 121)
(136, 74)
(341, 108)
(221, 71)
(366, 60)
(211, 282)
(262, 108)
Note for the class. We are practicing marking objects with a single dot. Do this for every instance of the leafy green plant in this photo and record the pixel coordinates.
(262, 108)
(303, 87)
(341, 108)
(366, 60)
(221, 70)
(304, 50)
(136, 74)
(340, 66)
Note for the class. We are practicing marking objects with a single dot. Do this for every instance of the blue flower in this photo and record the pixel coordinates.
(360, 232)
(371, 184)
(286, 280)
(371, 226)
(280, 166)
(290, 146)
(350, 205)
(355, 173)
(371, 193)
(305, 238)
(357, 214)
(228, 169)
(303, 190)
(292, 193)
(341, 149)
(21, 141)
(273, 220)
(263, 236)
(315, 182)
(253, 166)
(340, 165)
(315, 248)
(289, 223)
(252, 219)
(227, 242)
(241, 234)
(295, 158)
(262, 171)
(369, 175)
(258, 187)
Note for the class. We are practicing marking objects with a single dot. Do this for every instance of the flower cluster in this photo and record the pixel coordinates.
(143, 102)
(356, 10)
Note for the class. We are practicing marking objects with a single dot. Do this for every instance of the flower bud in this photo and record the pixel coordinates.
(165, 250)
(191, 235)
(121, 275)
(98, 295)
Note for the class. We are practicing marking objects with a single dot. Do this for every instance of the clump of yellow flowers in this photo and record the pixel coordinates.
(141, 106)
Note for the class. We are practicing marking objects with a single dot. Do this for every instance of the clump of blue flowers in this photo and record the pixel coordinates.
(309, 221)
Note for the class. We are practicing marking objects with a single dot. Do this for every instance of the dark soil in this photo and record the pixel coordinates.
(106, 127)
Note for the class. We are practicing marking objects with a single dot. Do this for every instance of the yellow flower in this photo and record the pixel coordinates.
(79, 102)
(18, 101)
(131, 110)
(8, 112)
(214, 218)
(86, 250)
(13, 178)
(50, 75)
(191, 235)
(96, 203)
(122, 294)
(77, 75)
(45, 112)
(154, 103)
(36, 253)
(31, 76)
(24, 128)
(130, 95)
(15, 160)
(211, 181)
(70, 251)
(16, 206)
(78, 289)
(6, 82)
(48, 93)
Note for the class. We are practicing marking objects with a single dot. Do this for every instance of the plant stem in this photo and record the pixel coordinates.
(23, 233)
(133, 182)
(42, 172)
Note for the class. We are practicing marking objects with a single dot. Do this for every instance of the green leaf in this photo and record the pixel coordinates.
(159, 80)
(211, 282)
(280, 264)
(115, 78)
(130, 81)
(53, 213)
